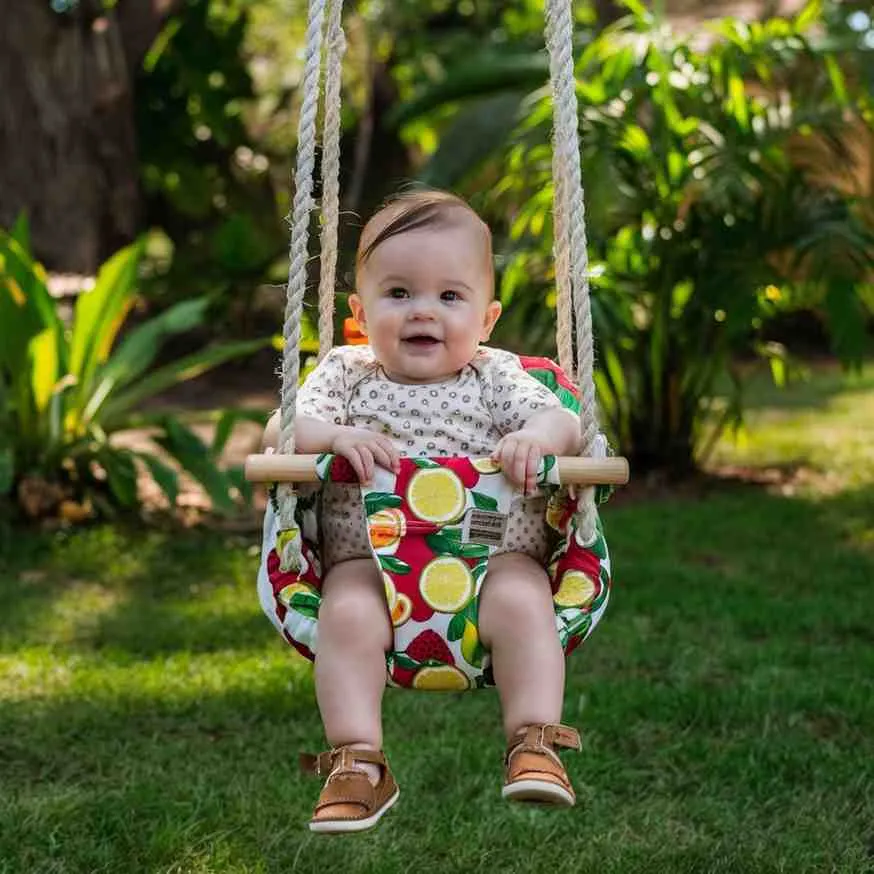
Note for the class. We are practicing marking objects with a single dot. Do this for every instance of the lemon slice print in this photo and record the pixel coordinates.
(391, 592)
(446, 584)
(575, 590)
(442, 678)
(386, 528)
(401, 611)
(288, 592)
(485, 465)
(436, 495)
(471, 648)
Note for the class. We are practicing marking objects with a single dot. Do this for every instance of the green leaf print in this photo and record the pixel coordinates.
(395, 565)
(441, 545)
(599, 547)
(484, 502)
(405, 662)
(445, 545)
(304, 601)
(306, 609)
(579, 626)
(425, 463)
(479, 570)
(456, 626)
(472, 550)
(376, 501)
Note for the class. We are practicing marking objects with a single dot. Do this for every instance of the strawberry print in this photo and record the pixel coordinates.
(432, 566)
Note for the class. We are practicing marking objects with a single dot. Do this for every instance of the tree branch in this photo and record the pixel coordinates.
(140, 22)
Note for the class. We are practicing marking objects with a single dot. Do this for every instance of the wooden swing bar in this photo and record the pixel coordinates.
(572, 470)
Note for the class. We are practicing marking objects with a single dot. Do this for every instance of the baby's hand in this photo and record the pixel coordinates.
(519, 455)
(363, 449)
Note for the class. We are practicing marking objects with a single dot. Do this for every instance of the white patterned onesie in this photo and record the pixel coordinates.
(464, 415)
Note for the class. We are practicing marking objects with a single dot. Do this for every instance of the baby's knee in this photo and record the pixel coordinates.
(516, 594)
(353, 598)
(520, 574)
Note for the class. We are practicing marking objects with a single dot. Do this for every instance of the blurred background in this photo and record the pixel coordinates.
(727, 157)
(149, 716)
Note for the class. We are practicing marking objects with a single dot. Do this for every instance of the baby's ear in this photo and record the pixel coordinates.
(493, 312)
(357, 309)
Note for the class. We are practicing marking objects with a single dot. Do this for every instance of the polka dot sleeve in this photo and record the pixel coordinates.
(323, 394)
(514, 395)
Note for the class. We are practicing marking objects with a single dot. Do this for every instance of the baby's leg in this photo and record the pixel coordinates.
(354, 635)
(517, 624)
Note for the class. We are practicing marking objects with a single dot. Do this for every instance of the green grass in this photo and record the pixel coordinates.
(824, 425)
(150, 718)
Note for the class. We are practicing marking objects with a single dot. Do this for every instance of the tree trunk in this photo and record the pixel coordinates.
(68, 155)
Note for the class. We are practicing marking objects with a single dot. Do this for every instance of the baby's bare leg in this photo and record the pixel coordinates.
(354, 634)
(517, 624)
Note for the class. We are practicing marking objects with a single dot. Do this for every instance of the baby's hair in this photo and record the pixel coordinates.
(419, 209)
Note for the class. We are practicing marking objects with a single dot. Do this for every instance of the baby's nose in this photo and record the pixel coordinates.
(423, 309)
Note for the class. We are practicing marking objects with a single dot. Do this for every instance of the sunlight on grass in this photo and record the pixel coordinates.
(824, 424)
(46, 673)
(151, 718)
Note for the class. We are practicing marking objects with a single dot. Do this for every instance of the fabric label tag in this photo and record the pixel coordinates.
(485, 527)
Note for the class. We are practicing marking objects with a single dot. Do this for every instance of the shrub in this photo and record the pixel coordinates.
(65, 391)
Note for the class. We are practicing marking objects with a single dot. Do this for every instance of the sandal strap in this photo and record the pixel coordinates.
(347, 787)
(544, 737)
(339, 759)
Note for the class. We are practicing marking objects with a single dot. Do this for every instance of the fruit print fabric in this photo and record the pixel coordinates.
(433, 567)
(444, 652)
(465, 415)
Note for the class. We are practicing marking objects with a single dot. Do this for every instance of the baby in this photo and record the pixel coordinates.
(425, 386)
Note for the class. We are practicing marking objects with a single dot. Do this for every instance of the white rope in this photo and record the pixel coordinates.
(564, 325)
(336, 48)
(571, 251)
(571, 258)
(299, 247)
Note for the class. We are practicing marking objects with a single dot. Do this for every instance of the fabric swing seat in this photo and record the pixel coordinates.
(432, 528)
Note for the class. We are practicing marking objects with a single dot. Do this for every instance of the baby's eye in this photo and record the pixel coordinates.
(450, 295)
(398, 292)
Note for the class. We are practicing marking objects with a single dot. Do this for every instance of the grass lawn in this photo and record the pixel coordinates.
(150, 718)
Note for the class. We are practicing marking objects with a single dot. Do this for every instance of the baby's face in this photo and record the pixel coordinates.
(425, 301)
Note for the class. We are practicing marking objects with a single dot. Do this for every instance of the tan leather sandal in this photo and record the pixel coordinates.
(534, 771)
(349, 802)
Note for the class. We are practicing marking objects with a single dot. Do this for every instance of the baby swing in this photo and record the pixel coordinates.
(434, 524)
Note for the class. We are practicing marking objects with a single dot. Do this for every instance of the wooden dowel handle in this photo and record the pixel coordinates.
(302, 469)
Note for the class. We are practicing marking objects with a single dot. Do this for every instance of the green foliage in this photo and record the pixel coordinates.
(65, 391)
(720, 189)
(206, 180)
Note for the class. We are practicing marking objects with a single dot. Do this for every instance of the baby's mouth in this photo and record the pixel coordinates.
(421, 340)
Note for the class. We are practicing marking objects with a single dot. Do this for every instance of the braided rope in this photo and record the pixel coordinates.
(571, 251)
(298, 251)
(336, 48)
(564, 324)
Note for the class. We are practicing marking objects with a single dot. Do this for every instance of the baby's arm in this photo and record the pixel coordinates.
(553, 431)
(362, 448)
